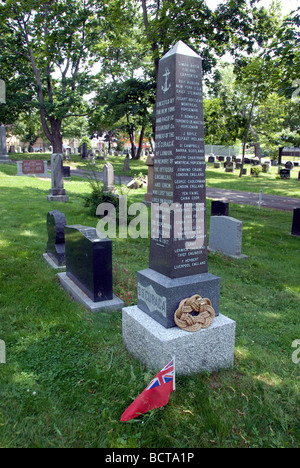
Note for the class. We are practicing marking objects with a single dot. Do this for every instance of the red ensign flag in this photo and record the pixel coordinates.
(155, 395)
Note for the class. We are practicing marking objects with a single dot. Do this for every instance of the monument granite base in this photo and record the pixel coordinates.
(159, 296)
(5, 160)
(79, 296)
(209, 349)
(58, 198)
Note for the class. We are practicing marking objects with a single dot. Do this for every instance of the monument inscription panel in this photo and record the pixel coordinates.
(178, 246)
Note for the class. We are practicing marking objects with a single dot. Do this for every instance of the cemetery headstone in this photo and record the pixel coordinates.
(57, 192)
(84, 150)
(67, 171)
(108, 178)
(32, 167)
(211, 158)
(178, 267)
(229, 166)
(217, 165)
(126, 164)
(225, 236)
(88, 276)
(56, 222)
(3, 148)
(289, 165)
(265, 168)
(296, 222)
(219, 208)
(285, 173)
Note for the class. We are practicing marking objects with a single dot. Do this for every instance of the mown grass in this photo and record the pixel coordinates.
(68, 376)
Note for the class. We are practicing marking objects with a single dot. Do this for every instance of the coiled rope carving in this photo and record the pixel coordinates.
(185, 316)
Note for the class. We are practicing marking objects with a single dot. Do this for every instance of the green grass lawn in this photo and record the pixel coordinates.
(68, 376)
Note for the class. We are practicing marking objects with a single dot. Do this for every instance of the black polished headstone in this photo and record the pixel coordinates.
(56, 222)
(179, 166)
(219, 208)
(67, 171)
(89, 262)
(296, 222)
(84, 154)
(285, 173)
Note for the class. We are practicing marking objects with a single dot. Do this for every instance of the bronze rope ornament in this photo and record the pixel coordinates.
(186, 318)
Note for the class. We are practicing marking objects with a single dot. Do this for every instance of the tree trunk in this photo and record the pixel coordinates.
(139, 151)
(280, 150)
(246, 134)
(257, 151)
(55, 136)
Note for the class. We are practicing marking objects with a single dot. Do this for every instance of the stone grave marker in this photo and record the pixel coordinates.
(3, 148)
(296, 222)
(219, 208)
(108, 178)
(88, 276)
(211, 158)
(266, 167)
(285, 173)
(56, 222)
(178, 267)
(229, 166)
(289, 165)
(84, 150)
(225, 236)
(57, 192)
(67, 172)
(32, 167)
(126, 166)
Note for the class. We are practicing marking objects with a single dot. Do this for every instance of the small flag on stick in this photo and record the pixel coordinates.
(155, 395)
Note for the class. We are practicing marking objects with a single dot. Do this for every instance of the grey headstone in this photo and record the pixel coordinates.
(108, 178)
(225, 235)
(57, 192)
(3, 149)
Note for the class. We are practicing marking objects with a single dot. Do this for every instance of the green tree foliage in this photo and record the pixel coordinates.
(54, 40)
(234, 26)
(126, 106)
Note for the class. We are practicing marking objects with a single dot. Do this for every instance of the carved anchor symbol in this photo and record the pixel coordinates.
(166, 86)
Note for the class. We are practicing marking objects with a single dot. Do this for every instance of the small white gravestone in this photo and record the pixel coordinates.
(2, 352)
(2, 92)
(108, 178)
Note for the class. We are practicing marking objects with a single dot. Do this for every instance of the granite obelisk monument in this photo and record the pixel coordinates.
(178, 266)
